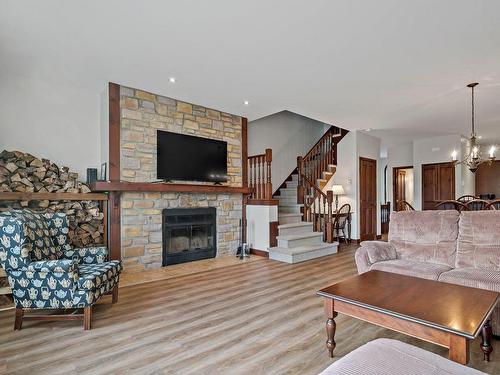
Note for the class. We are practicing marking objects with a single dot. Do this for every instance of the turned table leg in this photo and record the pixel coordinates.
(330, 326)
(486, 341)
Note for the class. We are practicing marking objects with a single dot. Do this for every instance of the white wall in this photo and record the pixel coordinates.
(434, 150)
(289, 135)
(59, 122)
(258, 219)
(410, 186)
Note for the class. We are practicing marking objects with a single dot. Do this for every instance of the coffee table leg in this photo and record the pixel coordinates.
(459, 349)
(486, 342)
(331, 326)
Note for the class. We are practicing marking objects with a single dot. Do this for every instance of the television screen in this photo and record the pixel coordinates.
(189, 158)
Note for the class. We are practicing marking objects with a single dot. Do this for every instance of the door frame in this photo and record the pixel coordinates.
(394, 179)
(359, 196)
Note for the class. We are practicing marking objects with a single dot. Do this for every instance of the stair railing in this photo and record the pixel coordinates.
(318, 208)
(259, 173)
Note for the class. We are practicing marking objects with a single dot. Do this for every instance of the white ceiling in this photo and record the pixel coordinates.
(399, 66)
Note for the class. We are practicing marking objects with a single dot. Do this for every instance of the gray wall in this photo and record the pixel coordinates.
(288, 135)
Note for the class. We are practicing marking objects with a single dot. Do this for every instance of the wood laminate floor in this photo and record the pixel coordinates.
(260, 317)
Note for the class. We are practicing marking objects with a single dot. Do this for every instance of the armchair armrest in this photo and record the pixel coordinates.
(86, 255)
(53, 266)
(372, 252)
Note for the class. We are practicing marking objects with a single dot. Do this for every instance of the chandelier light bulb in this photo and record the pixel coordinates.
(454, 155)
(492, 152)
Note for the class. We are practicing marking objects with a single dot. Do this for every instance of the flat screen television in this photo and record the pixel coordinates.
(189, 158)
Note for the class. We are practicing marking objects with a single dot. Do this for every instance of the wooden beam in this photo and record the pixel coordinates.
(165, 187)
(114, 243)
(114, 132)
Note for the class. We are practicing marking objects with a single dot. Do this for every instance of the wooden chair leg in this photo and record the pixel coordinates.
(19, 319)
(87, 318)
(115, 294)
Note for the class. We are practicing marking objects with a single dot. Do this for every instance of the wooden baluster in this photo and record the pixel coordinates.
(269, 184)
(252, 174)
(323, 216)
(259, 180)
(328, 218)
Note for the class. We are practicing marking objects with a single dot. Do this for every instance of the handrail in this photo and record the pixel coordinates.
(318, 208)
(259, 172)
(329, 131)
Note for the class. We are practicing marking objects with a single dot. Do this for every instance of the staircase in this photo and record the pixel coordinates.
(304, 211)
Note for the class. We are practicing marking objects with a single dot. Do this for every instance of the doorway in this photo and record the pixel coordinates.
(403, 187)
(368, 199)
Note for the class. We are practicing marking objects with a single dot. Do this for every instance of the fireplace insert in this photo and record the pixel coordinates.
(188, 234)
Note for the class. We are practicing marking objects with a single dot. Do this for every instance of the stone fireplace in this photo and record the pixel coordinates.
(142, 213)
(188, 234)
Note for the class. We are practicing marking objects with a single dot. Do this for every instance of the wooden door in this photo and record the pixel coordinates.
(368, 199)
(399, 177)
(438, 184)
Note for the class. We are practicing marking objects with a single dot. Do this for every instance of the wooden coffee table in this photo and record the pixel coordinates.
(445, 314)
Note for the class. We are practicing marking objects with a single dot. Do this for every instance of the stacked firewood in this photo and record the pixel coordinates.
(22, 172)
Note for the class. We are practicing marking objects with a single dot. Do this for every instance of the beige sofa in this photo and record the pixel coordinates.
(458, 248)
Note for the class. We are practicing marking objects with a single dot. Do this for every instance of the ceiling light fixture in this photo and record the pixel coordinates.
(172, 80)
(474, 159)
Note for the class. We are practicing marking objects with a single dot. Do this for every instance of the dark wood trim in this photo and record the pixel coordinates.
(263, 202)
(21, 196)
(379, 237)
(114, 132)
(244, 151)
(244, 173)
(87, 318)
(118, 186)
(114, 294)
(114, 226)
(360, 187)
(260, 253)
(273, 233)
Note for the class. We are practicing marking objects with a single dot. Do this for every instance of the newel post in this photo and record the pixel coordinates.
(300, 183)
(269, 184)
(329, 223)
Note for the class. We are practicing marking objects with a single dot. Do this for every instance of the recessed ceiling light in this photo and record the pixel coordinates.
(172, 79)
(246, 102)
(479, 136)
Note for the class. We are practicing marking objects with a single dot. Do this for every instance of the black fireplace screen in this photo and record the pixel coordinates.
(188, 234)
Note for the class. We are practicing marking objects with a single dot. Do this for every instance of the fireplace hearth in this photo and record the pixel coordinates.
(188, 234)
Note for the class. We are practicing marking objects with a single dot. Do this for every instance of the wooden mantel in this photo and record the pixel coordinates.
(163, 187)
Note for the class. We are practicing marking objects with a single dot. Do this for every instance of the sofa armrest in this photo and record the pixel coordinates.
(52, 266)
(372, 252)
(87, 255)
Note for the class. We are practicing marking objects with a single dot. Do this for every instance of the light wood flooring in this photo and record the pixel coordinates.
(259, 317)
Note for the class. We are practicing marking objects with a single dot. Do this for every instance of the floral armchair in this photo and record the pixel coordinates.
(45, 272)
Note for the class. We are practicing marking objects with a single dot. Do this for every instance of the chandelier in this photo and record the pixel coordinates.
(474, 158)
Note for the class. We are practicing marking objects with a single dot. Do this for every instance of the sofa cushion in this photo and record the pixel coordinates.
(378, 251)
(479, 240)
(475, 278)
(423, 270)
(425, 236)
(386, 356)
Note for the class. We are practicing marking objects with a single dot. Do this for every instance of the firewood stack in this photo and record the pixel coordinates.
(22, 172)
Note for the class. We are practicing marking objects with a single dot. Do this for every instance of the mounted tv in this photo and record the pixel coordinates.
(189, 158)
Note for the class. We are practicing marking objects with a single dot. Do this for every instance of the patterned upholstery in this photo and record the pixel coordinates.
(424, 270)
(388, 357)
(44, 271)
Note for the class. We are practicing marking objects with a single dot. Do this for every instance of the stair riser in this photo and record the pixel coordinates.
(291, 184)
(288, 244)
(288, 200)
(289, 209)
(295, 177)
(290, 220)
(288, 193)
(296, 258)
(296, 230)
